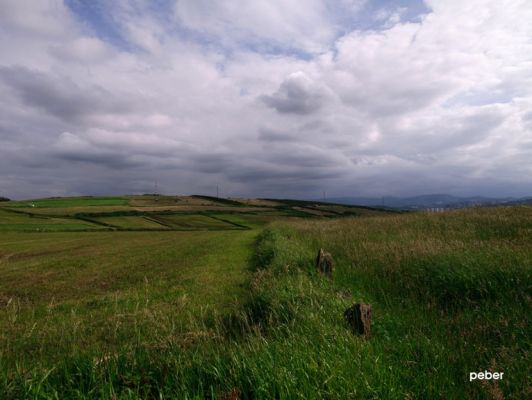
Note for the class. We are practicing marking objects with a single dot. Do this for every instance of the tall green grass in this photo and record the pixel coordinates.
(450, 295)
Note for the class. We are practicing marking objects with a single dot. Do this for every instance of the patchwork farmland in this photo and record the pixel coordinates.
(199, 297)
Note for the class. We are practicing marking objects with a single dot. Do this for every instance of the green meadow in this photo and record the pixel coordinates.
(70, 202)
(15, 221)
(193, 297)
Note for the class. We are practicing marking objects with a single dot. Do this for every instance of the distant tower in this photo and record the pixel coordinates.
(155, 192)
(217, 191)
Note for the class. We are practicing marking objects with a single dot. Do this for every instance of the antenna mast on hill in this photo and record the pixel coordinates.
(217, 191)
(156, 194)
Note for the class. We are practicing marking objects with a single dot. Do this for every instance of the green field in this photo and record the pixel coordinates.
(97, 292)
(130, 222)
(451, 294)
(56, 202)
(228, 305)
(140, 213)
(14, 221)
(193, 221)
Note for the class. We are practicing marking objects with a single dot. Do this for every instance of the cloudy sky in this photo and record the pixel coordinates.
(266, 97)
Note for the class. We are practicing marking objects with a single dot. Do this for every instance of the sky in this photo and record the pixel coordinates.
(266, 98)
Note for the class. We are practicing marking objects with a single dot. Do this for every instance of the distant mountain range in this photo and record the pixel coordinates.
(429, 201)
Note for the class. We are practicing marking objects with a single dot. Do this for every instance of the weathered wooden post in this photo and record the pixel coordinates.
(358, 317)
(325, 263)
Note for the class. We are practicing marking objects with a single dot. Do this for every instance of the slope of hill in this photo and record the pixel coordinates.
(427, 201)
(154, 212)
(224, 301)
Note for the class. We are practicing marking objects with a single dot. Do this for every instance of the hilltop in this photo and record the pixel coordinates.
(430, 201)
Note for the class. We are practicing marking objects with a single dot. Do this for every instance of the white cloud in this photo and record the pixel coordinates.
(287, 24)
(47, 20)
(264, 98)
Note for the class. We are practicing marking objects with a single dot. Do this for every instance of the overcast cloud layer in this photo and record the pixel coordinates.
(266, 97)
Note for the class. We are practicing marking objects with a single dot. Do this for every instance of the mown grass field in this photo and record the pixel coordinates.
(97, 292)
(130, 222)
(65, 202)
(212, 312)
(11, 221)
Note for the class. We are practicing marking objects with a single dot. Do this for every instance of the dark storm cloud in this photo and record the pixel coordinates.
(286, 176)
(269, 135)
(60, 97)
(272, 135)
(286, 167)
(212, 163)
(298, 94)
(109, 159)
(304, 157)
